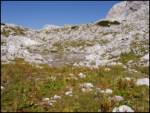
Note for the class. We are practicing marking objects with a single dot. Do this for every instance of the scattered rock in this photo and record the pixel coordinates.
(2, 88)
(118, 98)
(123, 108)
(115, 63)
(145, 60)
(45, 99)
(68, 93)
(99, 110)
(128, 78)
(86, 87)
(108, 91)
(48, 101)
(135, 71)
(115, 53)
(142, 81)
(107, 69)
(81, 75)
(146, 57)
(102, 91)
(56, 97)
(38, 66)
(72, 76)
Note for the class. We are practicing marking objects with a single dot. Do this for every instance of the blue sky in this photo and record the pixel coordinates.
(36, 14)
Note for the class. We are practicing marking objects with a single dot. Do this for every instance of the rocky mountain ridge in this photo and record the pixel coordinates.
(90, 45)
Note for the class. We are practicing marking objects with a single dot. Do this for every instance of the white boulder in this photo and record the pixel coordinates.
(81, 75)
(86, 87)
(45, 99)
(2, 87)
(56, 97)
(146, 57)
(123, 108)
(118, 98)
(142, 81)
(108, 91)
(68, 93)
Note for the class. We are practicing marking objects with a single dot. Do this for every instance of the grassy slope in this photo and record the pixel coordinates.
(26, 85)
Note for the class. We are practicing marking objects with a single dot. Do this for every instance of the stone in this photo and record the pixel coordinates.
(146, 57)
(50, 103)
(127, 78)
(68, 93)
(56, 97)
(118, 98)
(108, 91)
(123, 108)
(86, 87)
(116, 53)
(45, 99)
(142, 81)
(99, 110)
(102, 91)
(81, 75)
(2, 88)
(107, 69)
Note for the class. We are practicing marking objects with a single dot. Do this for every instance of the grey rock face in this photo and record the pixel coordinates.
(124, 10)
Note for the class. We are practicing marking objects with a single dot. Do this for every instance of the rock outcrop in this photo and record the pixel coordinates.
(128, 9)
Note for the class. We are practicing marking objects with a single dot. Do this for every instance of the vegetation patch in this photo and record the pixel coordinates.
(125, 57)
(3, 43)
(62, 46)
(13, 31)
(144, 69)
(107, 23)
(25, 86)
(74, 27)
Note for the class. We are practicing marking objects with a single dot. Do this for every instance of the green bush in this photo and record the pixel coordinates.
(107, 23)
(125, 57)
(74, 27)
(55, 85)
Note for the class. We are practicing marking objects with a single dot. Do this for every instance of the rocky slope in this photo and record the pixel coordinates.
(95, 44)
(89, 45)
